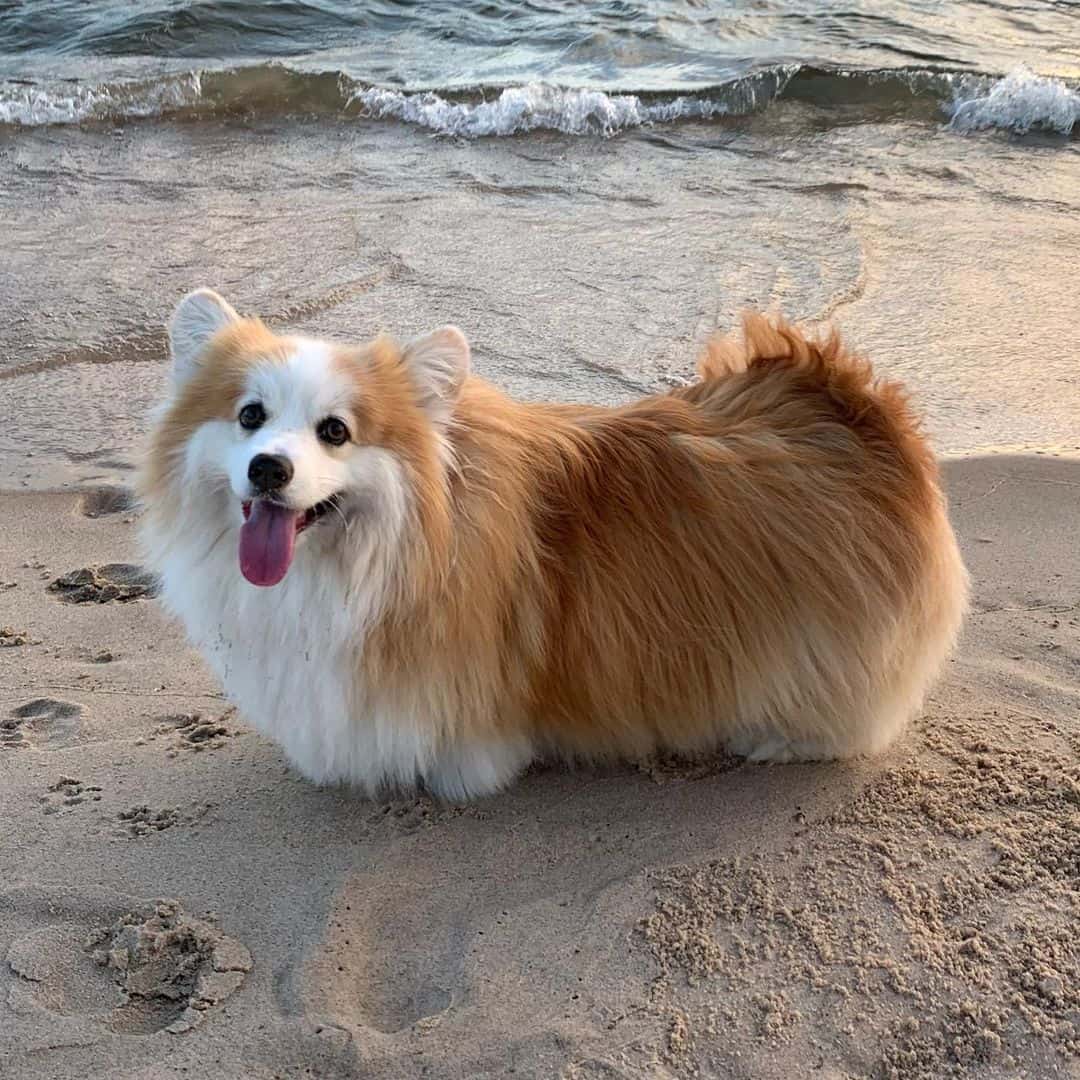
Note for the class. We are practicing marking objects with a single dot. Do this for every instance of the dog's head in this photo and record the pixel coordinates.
(279, 435)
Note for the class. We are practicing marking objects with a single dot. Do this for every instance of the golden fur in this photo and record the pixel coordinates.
(761, 560)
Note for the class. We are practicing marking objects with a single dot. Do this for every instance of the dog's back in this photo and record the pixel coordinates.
(761, 559)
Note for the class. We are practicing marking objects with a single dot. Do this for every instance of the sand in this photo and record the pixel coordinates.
(175, 901)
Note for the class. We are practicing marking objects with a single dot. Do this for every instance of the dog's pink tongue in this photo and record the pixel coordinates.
(267, 540)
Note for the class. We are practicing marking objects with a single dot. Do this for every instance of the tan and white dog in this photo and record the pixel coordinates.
(407, 578)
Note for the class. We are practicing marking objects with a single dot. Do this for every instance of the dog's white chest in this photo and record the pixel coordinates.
(289, 657)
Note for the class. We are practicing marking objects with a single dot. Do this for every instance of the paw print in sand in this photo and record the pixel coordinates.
(67, 793)
(44, 723)
(170, 969)
(143, 820)
(196, 732)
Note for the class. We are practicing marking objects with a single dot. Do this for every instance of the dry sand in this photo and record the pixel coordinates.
(174, 901)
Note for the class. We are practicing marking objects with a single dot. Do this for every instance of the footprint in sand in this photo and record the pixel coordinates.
(105, 500)
(196, 732)
(671, 768)
(412, 815)
(44, 723)
(142, 820)
(103, 584)
(154, 969)
(67, 793)
(138, 821)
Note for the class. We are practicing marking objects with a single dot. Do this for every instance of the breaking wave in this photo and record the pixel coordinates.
(1019, 102)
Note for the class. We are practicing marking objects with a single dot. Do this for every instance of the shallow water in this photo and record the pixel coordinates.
(498, 66)
(662, 166)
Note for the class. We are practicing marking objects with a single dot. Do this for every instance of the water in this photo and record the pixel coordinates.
(587, 188)
(495, 68)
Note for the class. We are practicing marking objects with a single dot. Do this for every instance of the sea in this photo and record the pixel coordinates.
(587, 188)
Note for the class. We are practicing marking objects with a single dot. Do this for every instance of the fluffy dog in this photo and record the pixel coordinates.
(407, 578)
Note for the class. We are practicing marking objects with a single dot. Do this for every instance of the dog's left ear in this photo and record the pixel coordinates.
(438, 363)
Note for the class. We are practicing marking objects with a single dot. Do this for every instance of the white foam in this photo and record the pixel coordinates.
(1019, 102)
(71, 103)
(533, 107)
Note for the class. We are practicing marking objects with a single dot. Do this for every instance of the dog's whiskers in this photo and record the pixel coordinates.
(335, 505)
(341, 514)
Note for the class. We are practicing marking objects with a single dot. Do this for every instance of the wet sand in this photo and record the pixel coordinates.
(580, 268)
(176, 902)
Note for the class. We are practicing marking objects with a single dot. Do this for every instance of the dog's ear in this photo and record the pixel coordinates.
(197, 318)
(438, 363)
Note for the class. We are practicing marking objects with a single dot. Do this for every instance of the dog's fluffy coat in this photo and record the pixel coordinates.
(761, 560)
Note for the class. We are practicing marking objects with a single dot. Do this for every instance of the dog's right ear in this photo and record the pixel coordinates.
(197, 318)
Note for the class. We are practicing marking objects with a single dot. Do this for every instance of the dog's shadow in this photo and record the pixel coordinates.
(453, 906)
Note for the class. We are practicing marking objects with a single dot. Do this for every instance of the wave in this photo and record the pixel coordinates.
(29, 104)
(539, 107)
(1019, 102)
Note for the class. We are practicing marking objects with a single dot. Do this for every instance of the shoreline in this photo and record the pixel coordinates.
(897, 232)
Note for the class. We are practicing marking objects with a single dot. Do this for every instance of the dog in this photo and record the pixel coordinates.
(410, 580)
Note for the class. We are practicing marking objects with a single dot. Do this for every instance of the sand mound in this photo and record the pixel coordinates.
(170, 969)
(937, 914)
(104, 584)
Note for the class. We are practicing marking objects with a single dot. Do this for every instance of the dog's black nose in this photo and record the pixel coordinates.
(269, 472)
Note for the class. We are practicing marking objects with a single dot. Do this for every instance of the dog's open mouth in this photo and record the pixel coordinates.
(304, 518)
(268, 537)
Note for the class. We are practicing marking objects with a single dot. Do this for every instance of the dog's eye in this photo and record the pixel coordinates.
(332, 431)
(252, 416)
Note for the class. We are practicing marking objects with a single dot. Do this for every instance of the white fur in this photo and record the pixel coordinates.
(296, 397)
(289, 655)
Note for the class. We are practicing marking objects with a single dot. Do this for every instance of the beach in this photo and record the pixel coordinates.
(176, 901)
(911, 916)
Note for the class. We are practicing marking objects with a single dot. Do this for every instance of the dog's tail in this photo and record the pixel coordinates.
(770, 342)
(877, 407)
